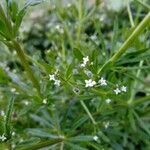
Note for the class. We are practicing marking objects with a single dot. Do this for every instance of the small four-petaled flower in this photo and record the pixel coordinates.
(108, 101)
(102, 82)
(57, 82)
(117, 91)
(45, 101)
(124, 89)
(3, 138)
(51, 77)
(106, 124)
(95, 138)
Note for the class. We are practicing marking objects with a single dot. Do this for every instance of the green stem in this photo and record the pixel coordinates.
(25, 63)
(143, 4)
(144, 23)
(130, 14)
(88, 112)
(62, 146)
(80, 19)
(135, 83)
(141, 101)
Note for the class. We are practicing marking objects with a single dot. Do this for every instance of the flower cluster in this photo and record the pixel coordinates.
(91, 83)
(85, 60)
(53, 78)
(119, 90)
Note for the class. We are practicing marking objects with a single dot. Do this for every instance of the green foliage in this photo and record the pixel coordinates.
(74, 76)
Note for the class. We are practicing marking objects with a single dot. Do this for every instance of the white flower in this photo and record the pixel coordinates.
(106, 124)
(51, 77)
(117, 91)
(3, 138)
(124, 89)
(57, 82)
(108, 101)
(102, 82)
(69, 5)
(26, 103)
(57, 27)
(13, 146)
(21, 140)
(83, 65)
(90, 83)
(2, 113)
(85, 60)
(13, 133)
(93, 37)
(13, 90)
(95, 138)
(45, 101)
(91, 63)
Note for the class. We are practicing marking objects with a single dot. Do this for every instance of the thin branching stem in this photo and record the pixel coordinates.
(25, 63)
(130, 14)
(88, 112)
(80, 13)
(135, 83)
(143, 4)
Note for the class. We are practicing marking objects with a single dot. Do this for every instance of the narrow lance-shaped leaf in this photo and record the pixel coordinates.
(8, 118)
(41, 144)
(33, 2)
(41, 133)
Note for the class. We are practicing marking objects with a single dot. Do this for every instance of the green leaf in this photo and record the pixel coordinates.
(115, 35)
(142, 124)
(81, 138)
(40, 144)
(135, 56)
(38, 132)
(22, 12)
(8, 118)
(3, 30)
(33, 2)
(28, 142)
(7, 23)
(3, 77)
(18, 21)
(13, 10)
(132, 120)
(75, 146)
(104, 137)
(78, 54)
(41, 121)
(69, 71)
(79, 122)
